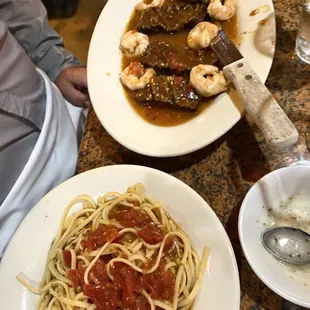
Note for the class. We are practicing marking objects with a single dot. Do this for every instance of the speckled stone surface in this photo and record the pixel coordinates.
(223, 172)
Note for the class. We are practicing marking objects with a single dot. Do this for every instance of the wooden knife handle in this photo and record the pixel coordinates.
(261, 106)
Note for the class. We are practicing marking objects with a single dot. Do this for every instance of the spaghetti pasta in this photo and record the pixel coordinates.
(120, 252)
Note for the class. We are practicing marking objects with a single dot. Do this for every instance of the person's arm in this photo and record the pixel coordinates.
(27, 21)
(3, 35)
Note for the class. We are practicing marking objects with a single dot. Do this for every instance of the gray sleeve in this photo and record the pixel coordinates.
(24, 100)
(27, 21)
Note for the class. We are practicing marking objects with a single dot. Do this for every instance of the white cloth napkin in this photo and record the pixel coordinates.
(52, 161)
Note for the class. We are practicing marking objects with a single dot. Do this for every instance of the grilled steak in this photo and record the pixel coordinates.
(172, 17)
(180, 59)
(172, 90)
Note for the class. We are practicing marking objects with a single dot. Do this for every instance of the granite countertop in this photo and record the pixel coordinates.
(223, 172)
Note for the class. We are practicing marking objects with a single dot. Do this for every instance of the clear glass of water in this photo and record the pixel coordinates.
(303, 36)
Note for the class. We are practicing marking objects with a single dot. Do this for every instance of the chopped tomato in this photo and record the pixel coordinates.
(150, 263)
(98, 274)
(77, 275)
(136, 69)
(119, 239)
(159, 284)
(130, 290)
(126, 278)
(132, 218)
(100, 236)
(142, 303)
(151, 234)
(169, 243)
(129, 297)
(124, 291)
(104, 296)
(67, 258)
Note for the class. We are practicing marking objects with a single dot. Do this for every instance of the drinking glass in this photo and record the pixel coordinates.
(303, 36)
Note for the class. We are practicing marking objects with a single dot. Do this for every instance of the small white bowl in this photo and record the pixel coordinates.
(281, 198)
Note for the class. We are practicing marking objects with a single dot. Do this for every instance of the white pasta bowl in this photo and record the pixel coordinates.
(126, 126)
(281, 198)
(28, 248)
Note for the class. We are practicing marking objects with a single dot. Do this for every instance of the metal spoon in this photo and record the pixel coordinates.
(288, 244)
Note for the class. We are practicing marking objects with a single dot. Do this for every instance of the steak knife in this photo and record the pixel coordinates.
(276, 127)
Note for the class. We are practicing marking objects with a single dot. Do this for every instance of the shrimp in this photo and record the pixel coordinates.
(207, 80)
(144, 6)
(135, 77)
(134, 43)
(221, 11)
(201, 35)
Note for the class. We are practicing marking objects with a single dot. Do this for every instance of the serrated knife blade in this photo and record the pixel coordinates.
(225, 49)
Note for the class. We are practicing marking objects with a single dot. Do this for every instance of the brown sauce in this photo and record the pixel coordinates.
(262, 9)
(165, 115)
(263, 22)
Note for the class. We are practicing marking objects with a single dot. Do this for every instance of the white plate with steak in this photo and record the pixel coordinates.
(162, 112)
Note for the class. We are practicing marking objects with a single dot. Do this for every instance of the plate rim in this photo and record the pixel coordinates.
(163, 152)
(265, 280)
(236, 278)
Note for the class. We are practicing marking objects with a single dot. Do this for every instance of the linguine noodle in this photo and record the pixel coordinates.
(102, 235)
